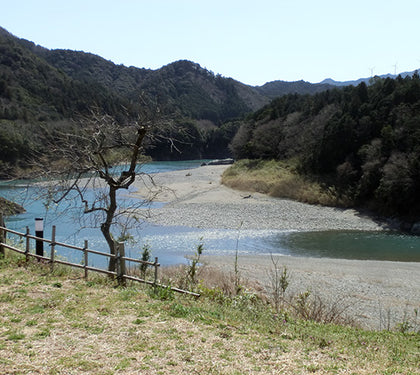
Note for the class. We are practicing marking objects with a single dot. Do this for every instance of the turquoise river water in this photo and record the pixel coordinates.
(173, 244)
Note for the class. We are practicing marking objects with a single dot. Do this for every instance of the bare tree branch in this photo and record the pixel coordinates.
(79, 160)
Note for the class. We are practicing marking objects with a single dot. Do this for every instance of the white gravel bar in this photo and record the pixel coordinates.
(379, 294)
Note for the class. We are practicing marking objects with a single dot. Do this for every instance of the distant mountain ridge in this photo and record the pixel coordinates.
(329, 81)
(278, 88)
(182, 86)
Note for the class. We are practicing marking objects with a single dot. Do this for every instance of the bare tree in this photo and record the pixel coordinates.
(82, 164)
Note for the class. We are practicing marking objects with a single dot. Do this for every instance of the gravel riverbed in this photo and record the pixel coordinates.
(378, 294)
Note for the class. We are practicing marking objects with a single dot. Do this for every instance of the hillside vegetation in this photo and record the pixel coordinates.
(359, 145)
(362, 142)
(52, 89)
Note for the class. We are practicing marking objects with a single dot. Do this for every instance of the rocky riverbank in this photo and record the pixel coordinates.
(195, 198)
(377, 294)
(10, 208)
(374, 294)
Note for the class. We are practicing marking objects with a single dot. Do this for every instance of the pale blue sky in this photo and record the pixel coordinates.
(251, 41)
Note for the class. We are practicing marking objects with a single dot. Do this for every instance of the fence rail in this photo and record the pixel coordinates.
(120, 258)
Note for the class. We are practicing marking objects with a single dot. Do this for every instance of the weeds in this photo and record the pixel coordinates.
(236, 264)
(304, 305)
(314, 308)
(193, 267)
(409, 322)
(104, 329)
(145, 257)
(279, 282)
(163, 293)
(184, 276)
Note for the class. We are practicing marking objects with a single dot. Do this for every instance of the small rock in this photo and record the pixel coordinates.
(415, 228)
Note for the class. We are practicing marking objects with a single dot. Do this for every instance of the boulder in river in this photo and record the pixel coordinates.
(220, 162)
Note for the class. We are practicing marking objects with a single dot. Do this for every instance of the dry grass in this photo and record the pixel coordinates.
(208, 278)
(279, 179)
(60, 324)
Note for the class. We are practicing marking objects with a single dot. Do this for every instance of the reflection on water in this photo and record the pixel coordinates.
(353, 245)
(172, 244)
(330, 244)
(181, 241)
(72, 226)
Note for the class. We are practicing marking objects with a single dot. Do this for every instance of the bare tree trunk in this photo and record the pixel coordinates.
(106, 226)
(2, 234)
(91, 151)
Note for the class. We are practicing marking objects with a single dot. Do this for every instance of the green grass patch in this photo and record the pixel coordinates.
(100, 329)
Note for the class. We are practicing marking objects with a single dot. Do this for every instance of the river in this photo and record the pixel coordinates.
(173, 244)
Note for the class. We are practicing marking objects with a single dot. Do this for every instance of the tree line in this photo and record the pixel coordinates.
(364, 141)
(42, 88)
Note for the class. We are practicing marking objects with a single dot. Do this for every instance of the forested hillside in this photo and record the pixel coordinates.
(35, 95)
(275, 89)
(363, 140)
(49, 89)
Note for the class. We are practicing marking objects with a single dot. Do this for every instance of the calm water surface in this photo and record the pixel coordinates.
(173, 244)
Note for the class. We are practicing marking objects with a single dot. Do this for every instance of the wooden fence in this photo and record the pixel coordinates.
(120, 258)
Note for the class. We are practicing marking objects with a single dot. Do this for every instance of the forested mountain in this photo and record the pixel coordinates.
(182, 87)
(275, 89)
(363, 140)
(31, 89)
(42, 87)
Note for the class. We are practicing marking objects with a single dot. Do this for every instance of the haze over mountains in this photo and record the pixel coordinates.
(329, 81)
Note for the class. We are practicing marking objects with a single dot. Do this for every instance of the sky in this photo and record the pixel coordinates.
(251, 41)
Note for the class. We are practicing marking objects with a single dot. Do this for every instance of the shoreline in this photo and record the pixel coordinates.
(196, 198)
(375, 294)
(378, 293)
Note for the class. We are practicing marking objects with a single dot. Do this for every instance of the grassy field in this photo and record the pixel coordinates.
(59, 323)
(280, 179)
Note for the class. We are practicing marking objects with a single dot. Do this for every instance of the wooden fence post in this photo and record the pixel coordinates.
(52, 248)
(85, 252)
(2, 235)
(39, 232)
(156, 271)
(120, 263)
(28, 245)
